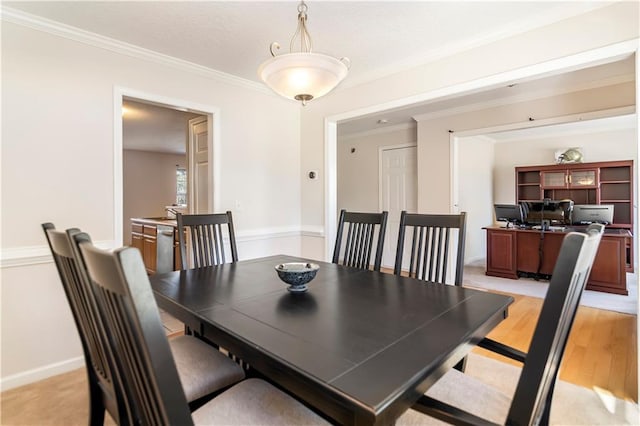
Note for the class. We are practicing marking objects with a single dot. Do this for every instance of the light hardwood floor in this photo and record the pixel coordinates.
(602, 348)
(601, 352)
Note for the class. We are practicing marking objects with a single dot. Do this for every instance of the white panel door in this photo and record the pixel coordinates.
(198, 166)
(398, 191)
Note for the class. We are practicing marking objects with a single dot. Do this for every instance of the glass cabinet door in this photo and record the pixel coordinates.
(554, 179)
(582, 178)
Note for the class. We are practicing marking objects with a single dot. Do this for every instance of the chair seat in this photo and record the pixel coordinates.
(460, 390)
(255, 402)
(202, 368)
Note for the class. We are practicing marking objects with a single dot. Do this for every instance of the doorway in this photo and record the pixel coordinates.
(552, 67)
(185, 109)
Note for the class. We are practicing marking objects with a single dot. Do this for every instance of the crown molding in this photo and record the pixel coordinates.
(525, 97)
(386, 129)
(72, 33)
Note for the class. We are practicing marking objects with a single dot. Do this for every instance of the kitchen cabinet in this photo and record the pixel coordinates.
(157, 240)
(137, 238)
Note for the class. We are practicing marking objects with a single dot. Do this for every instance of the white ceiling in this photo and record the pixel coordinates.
(379, 37)
(147, 127)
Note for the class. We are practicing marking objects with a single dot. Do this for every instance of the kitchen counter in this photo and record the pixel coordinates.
(155, 221)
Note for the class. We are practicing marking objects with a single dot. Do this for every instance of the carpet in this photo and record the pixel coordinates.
(474, 276)
(572, 404)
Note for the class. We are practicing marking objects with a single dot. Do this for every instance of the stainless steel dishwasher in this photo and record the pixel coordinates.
(164, 250)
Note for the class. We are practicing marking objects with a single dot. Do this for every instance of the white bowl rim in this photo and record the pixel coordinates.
(297, 267)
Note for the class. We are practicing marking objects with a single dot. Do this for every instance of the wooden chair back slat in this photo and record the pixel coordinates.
(430, 254)
(360, 239)
(207, 239)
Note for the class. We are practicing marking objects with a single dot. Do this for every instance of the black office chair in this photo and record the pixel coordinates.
(531, 403)
(525, 206)
(207, 237)
(361, 230)
(144, 359)
(430, 246)
(203, 370)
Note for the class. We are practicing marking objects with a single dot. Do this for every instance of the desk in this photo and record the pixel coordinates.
(512, 252)
(359, 346)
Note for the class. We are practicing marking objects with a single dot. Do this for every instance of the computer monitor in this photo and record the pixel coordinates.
(556, 212)
(510, 213)
(584, 214)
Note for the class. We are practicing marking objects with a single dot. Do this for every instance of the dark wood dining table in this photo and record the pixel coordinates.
(359, 346)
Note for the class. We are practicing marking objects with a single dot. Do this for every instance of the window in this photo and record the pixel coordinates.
(181, 186)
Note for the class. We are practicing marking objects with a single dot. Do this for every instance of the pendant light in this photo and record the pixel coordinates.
(302, 75)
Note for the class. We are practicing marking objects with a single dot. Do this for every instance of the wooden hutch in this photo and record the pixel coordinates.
(511, 251)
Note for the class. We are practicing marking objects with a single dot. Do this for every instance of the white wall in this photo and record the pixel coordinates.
(149, 184)
(58, 165)
(475, 163)
(519, 54)
(358, 172)
(434, 141)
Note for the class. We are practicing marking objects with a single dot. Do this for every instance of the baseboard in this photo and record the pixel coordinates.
(40, 373)
(476, 261)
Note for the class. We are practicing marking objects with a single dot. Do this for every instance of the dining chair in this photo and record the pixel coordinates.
(145, 362)
(359, 239)
(531, 402)
(203, 370)
(206, 235)
(101, 375)
(431, 245)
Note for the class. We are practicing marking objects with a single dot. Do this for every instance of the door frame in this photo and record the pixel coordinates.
(213, 139)
(190, 164)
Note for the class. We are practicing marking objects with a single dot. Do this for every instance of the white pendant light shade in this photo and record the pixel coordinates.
(302, 76)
